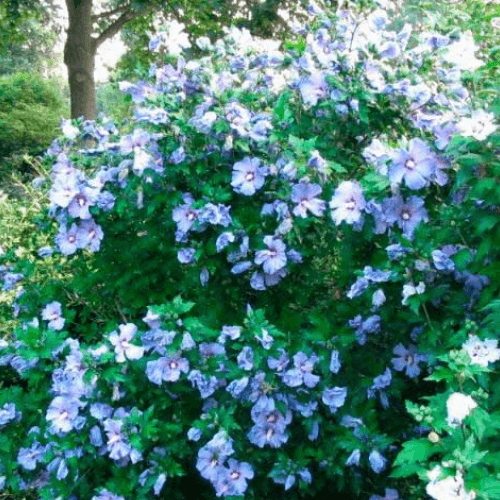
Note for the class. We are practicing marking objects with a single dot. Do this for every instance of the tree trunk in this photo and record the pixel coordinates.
(79, 57)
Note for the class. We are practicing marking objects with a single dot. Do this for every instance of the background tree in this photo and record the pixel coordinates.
(91, 23)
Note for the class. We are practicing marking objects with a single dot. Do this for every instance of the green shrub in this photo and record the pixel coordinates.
(112, 102)
(30, 110)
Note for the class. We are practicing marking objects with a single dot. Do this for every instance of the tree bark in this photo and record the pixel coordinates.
(79, 57)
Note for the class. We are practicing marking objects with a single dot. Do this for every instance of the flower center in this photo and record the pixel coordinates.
(410, 164)
(405, 214)
(81, 201)
(350, 204)
(235, 474)
(71, 239)
(250, 176)
(191, 215)
(173, 365)
(272, 418)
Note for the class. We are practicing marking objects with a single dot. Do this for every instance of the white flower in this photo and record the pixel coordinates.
(410, 289)
(69, 131)
(482, 352)
(480, 125)
(123, 347)
(459, 406)
(449, 488)
(461, 53)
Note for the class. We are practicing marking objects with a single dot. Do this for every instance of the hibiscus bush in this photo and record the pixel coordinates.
(282, 276)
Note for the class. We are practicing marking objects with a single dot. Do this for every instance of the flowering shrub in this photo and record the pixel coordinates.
(269, 273)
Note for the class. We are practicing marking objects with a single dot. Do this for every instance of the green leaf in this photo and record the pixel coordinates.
(406, 470)
(479, 421)
(417, 450)
(282, 110)
(490, 487)
(337, 167)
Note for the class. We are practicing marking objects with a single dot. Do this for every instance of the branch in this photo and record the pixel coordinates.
(104, 15)
(117, 25)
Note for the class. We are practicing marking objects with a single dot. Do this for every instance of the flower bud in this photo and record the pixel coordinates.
(433, 437)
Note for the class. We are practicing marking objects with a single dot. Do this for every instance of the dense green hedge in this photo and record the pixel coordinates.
(30, 111)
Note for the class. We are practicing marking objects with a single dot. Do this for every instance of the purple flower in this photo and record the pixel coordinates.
(389, 495)
(301, 374)
(377, 461)
(415, 166)
(187, 342)
(245, 358)
(105, 201)
(376, 275)
(378, 154)
(68, 240)
(335, 362)
(248, 176)
(83, 200)
(178, 156)
(53, 314)
(211, 350)
(117, 444)
(353, 458)
(279, 364)
(64, 189)
(215, 215)
(334, 398)
(166, 369)
(378, 298)
(241, 267)
(407, 214)
(160, 481)
(212, 455)
(379, 383)
(364, 327)
(375, 209)
(236, 387)
(207, 385)
(442, 261)
(444, 134)
(306, 196)
(396, 251)
(347, 203)
(233, 480)
(186, 255)
(106, 495)
(194, 434)
(223, 240)
(312, 88)
(408, 360)
(274, 258)
(62, 414)
(90, 235)
(184, 216)
(8, 413)
(229, 332)
(317, 162)
(96, 436)
(358, 287)
(139, 139)
(29, 457)
(270, 424)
